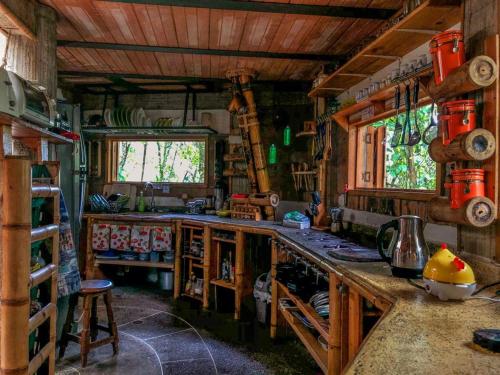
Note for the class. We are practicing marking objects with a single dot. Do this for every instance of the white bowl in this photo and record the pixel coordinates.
(446, 291)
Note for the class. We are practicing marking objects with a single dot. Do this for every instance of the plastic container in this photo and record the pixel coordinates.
(166, 280)
(457, 117)
(448, 53)
(466, 184)
(262, 296)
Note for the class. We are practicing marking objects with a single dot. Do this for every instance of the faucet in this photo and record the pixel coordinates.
(150, 185)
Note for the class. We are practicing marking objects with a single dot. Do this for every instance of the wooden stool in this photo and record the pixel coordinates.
(91, 290)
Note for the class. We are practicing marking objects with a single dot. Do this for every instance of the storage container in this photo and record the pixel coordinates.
(448, 53)
(466, 184)
(457, 117)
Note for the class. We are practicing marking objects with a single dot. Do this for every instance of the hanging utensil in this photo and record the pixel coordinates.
(431, 132)
(396, 138)
(415, 137)
(407, 123)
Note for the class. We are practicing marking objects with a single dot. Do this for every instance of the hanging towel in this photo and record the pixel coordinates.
(69, 273)
(161, 238)
(100, 237)
(139, 238)
(120, 237)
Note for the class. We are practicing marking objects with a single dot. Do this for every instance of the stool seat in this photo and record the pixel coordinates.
(95, 286)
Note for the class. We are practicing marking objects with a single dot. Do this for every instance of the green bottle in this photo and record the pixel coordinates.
(272, 157)
(287, 136)
(141, 204)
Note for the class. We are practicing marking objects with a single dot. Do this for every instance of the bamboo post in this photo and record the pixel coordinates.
(355, 323)
(239, 270)
(335, 332)
(207, 245)
(478, 144)
(89, 256)
(178, 259)
(478, 212)
(16, 244)
(477, 73)
(274, 288)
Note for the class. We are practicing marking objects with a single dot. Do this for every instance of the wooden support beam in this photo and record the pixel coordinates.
(274, 7)
(198, 51)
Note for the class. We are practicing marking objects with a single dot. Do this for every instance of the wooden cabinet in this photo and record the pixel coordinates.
(354, 311)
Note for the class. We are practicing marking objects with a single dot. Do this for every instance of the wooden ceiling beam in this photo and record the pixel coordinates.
(198, 51)
(111, 76)
(271, 7)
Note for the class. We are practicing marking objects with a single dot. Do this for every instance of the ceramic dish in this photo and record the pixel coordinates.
(107, 117)
(141, 118)
(322, 341)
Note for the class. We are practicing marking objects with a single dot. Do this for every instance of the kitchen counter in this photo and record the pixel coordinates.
(419, 335)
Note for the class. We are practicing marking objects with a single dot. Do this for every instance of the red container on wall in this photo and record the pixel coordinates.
(457, 117)
(466, 184)
(448, 53)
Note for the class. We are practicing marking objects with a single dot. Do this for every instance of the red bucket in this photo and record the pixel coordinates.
(448, 53)
(466, 184)
(457, 117)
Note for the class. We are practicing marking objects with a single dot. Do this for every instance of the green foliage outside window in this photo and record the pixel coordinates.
(161, 161)
(408, 167)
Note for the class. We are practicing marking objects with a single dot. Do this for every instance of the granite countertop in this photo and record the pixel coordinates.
(419, 335)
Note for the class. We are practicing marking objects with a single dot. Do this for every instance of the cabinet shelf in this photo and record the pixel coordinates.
(195, 297)
(133, 263)
(308, 339)
(417, 28)
(320, 324)
(223, 284)
(227, 240)
(192, 257)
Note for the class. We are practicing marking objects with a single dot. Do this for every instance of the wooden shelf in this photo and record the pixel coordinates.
(223, 284)
(201, 130)
(197, 265)
(234, 157)
(378, 100)
(192, 257)
(320, 324)
(195, 297)
(308, 339)
(415, 29)
(305, 134)
(197, 236)
(133, 263)
(227, 240)
(23, 129)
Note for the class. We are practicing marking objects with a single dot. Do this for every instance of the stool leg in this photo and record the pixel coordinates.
(111, 321)
(63, 344)
(85, 334)
(94, 331)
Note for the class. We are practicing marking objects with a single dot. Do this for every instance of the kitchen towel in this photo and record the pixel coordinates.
(161, 238)
(100, 237)
(140, 238)
(120, 237)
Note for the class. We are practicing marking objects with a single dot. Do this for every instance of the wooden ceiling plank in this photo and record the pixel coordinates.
(167, 26)
(146, 24)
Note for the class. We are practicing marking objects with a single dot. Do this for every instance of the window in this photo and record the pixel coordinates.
(174, 161)
(379, 165)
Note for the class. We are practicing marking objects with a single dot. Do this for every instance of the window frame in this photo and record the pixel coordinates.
(406, 194)
(112, 156)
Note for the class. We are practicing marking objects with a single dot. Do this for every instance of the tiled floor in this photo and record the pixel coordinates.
(155, 341)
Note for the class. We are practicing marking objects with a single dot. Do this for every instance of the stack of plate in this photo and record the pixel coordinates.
(321, 304)
(126, 117)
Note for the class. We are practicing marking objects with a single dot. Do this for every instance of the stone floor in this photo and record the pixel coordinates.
(155, 339)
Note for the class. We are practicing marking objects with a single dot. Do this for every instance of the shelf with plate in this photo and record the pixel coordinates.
(133, 130)
(415, 29)
(132, 263)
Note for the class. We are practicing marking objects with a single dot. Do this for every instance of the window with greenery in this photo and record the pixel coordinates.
(174, 161)
(403, 167)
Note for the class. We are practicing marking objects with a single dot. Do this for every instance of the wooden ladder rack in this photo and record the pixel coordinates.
(16, 279)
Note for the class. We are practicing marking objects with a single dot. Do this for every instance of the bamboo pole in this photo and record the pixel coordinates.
(207, 245)
(239, 271)
(335, 332)
(274, 288)
(478, 212)
(16, 244)
(178, 259)
(478, 144)
(477, 73)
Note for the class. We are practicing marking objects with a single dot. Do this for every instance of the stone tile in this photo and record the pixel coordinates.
(184, 345)
(190, 367)
(154, 326)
